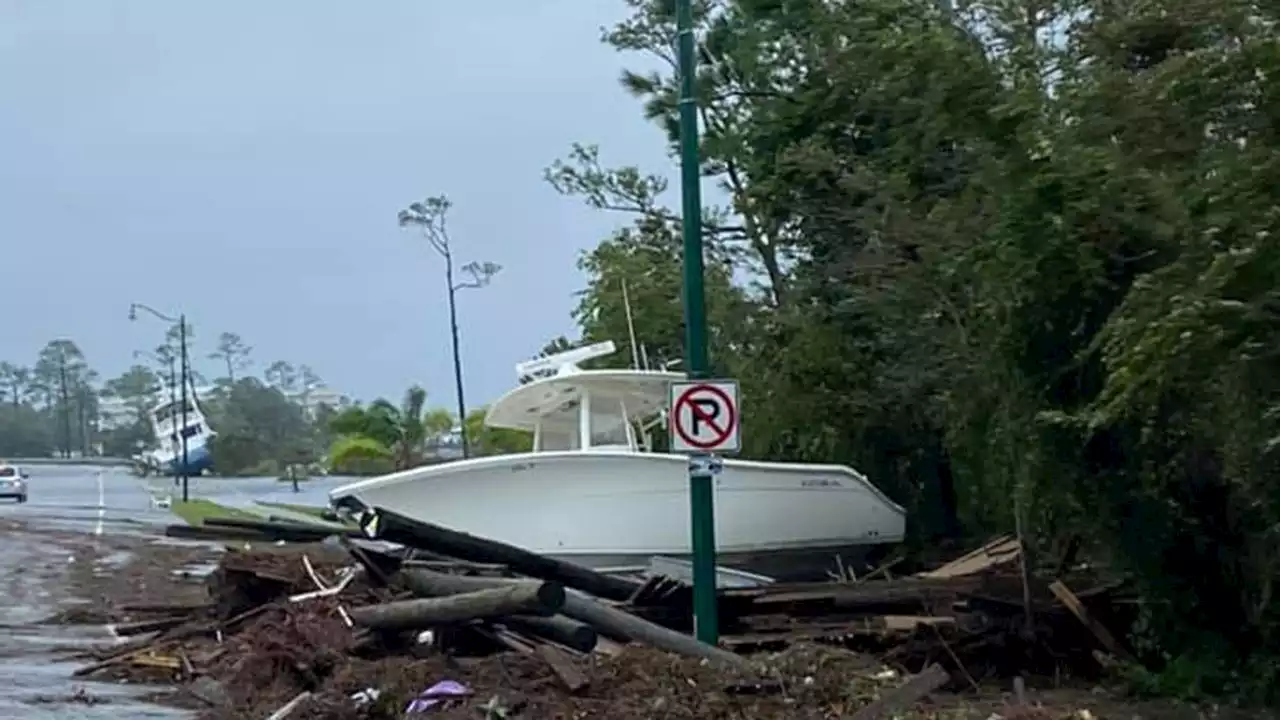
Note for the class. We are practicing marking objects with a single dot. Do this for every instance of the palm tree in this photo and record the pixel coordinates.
(402, 431)
(412, 429)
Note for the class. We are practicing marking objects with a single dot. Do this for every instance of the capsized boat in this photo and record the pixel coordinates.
(593, 492)
(168, 419)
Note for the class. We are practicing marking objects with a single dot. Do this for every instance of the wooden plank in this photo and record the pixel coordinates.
(156, 661)
(564, 668)
(1077, 608)
(1000, 551)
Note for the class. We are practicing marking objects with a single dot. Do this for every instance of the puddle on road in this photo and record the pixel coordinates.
(35, 659)
(38, 682)
(113, 561)
(40, 689)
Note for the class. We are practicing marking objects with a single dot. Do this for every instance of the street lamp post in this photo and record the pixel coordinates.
(430, 218)
(184, 374)
(173, 391)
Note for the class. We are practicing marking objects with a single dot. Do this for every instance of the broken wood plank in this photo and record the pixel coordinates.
(1077, 608)
(563, 667)
(1000, 551)
(156, 661)
(904, 696)
(288, 708)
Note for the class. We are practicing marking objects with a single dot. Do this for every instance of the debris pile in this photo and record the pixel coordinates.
(427, 619)
(977, 615)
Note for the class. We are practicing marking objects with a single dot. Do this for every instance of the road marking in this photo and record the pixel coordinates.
(102, 504)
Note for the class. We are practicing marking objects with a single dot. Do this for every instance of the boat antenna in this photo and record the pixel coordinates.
(631, 328)
(644, 356)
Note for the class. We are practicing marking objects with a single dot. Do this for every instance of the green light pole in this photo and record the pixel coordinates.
(701, 488)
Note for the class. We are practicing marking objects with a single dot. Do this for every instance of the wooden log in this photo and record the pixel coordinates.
(557, 628)
(285, 530)
(522, 599)
(201, 532)
(607, 620)
(394, 527)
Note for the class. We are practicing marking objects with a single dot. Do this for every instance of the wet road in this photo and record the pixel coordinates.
(89, 502)
(111, 500)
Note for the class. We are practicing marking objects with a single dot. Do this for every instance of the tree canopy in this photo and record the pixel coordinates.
(1005, 258)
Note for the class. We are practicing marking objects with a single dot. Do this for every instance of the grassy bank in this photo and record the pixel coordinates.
(315, 511)
(195, 512)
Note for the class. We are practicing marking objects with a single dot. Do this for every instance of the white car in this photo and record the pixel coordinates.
(13, 483)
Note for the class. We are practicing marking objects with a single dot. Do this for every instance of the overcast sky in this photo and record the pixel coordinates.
(243, 162)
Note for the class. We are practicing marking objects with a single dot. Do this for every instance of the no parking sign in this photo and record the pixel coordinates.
(705, 417)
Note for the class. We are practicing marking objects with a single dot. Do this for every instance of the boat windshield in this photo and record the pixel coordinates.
(555, 439)
(608, 424)
(595, 422)
(170, 411)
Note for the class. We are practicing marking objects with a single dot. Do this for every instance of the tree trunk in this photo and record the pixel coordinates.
(524, 598)
(610, 621)
(557, 628)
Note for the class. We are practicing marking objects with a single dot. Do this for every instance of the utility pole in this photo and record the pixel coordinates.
(65, 403)
(701, 482)
(185, 366)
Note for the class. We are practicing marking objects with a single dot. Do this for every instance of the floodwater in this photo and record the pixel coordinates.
(111, 500)
(75, 507)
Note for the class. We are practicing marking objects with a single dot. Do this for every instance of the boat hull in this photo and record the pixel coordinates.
(199, 460)
(618, 508)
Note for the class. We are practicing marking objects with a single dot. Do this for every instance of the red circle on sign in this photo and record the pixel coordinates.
(686, 398)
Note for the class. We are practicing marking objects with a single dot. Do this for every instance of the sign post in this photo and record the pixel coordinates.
(695, 322)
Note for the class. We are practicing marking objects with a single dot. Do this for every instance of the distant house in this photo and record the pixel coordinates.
(115, 412)
(312, 400)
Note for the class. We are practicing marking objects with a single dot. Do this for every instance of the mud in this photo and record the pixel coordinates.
(58, 590)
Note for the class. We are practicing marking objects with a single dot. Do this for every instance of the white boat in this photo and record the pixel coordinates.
(166, 419)
(592, 492)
